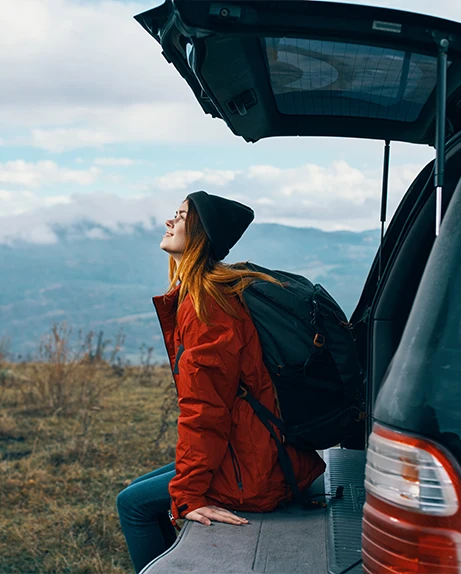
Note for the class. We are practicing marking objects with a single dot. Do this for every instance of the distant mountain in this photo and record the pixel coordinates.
(105, 284)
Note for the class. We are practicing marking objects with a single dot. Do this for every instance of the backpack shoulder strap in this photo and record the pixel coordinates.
(267, 417)
(178, 356)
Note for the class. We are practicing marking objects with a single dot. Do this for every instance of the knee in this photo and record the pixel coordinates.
(126, 503)
(133, 502)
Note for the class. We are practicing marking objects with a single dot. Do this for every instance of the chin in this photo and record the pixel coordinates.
(166, 250)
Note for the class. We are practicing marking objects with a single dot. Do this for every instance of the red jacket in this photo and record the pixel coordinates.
(224, 455)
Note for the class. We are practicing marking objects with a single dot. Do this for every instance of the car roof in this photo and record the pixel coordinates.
(311, 68)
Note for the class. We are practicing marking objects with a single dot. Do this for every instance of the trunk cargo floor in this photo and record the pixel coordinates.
(344, 523)
(289, 540)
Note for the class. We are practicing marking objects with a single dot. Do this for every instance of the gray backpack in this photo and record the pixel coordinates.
(310, 354)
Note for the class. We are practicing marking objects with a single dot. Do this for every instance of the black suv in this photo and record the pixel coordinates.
(308, 68)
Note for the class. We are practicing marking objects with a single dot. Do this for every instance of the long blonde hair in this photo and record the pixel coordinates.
(198, 272)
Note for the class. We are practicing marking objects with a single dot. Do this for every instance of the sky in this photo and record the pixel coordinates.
(96, 126)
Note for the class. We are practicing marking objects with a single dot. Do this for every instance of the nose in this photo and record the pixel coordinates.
(169, 223)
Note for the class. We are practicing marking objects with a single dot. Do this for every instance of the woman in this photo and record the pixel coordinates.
(226, 460)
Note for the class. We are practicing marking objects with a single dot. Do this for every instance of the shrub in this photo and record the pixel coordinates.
(145, 373)
(5, 373)
(167, 425)
(66, 376)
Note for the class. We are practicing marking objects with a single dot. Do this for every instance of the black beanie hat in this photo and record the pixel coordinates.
(224, 220)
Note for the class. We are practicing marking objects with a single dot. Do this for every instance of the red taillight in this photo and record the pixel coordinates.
(390, 544)
(412, 517)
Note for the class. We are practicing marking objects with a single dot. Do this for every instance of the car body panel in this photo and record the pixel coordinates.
(421, 393)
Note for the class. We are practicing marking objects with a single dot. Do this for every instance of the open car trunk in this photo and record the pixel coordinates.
(309, 68)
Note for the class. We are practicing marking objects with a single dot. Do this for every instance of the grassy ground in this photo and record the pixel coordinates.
(68, 445)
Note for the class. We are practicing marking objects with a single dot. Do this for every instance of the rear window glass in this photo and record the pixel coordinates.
(315, 77)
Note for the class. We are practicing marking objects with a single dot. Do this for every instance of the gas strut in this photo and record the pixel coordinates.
(387, 151)
(440, 119)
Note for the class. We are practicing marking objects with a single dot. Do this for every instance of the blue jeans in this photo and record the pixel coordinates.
(143, 510)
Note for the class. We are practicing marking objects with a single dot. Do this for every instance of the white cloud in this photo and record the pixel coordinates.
(264, 201)
(96, 233)
(339, 180)
(336, 197)
(159, 122)
(115, 161)
(62, 139)
(443, 8)
(20, 172)
(339, 196)
(24, 201)
(179, 180)
(263, 172)
(38, 218)
(72, 52)
(37, 233)
(85, 74)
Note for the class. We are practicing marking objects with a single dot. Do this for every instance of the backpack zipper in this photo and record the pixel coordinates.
(237, 472)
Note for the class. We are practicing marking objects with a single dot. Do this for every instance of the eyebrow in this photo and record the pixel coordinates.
(182, 211)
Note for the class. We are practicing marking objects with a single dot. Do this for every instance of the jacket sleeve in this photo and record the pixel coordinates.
(207, 383)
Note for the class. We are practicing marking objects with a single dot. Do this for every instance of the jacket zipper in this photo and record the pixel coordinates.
(237, 472)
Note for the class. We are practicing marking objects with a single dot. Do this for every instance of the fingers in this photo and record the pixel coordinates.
(198, 517)
(203, 519)
(223, 515)
(206, 514)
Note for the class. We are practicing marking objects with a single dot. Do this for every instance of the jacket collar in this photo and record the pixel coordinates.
(166, 307)
(168, 303)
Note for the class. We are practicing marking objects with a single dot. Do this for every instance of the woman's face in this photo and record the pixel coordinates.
(174, 240)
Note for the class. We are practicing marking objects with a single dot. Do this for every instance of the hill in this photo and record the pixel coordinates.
(104, 284)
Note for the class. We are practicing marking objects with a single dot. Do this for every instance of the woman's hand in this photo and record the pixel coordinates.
(207, 514)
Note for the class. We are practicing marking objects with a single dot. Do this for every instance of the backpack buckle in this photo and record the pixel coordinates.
(319, 340)
(360, 416)
(242, 392)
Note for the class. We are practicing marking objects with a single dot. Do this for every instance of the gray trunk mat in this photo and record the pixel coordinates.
(287, 541)
(344, 524)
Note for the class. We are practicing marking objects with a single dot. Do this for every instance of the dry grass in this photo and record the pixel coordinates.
(70, 375)
(63, 462)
